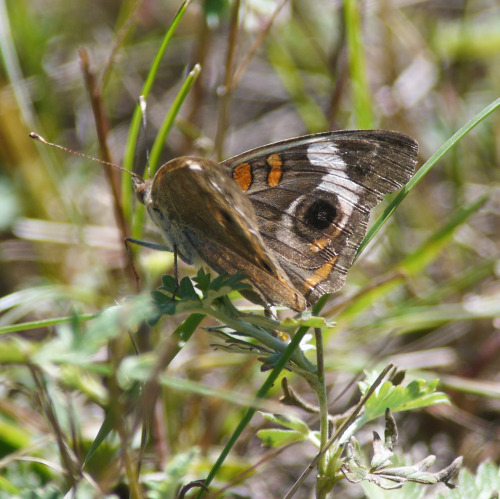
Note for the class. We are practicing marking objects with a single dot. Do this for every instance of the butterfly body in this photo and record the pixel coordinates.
(291, 215)
(204, 214)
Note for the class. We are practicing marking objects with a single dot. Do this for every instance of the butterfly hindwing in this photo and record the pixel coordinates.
(312, 197)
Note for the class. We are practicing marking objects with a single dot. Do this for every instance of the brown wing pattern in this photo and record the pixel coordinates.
(203, 214)
(313, 196)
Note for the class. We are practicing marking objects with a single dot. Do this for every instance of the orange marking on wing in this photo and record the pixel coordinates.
(319, 244)
(275, 162)
(321, 274)
(243, 175)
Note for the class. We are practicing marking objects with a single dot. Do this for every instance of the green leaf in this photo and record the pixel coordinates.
(397, 398)
(166, 485)
(279, 438)
(290, 422)
(202, 280)
(185, 330)
(381, 453)
(236, 345)
(231, 281)
(186, 290)
(296, 431)
(383, 473)
(77, 345)
(187, 299)
(417, 394)
(483, 484)
(168, 283)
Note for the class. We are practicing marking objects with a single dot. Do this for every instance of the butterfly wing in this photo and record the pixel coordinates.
(203, 214)
(313, 195)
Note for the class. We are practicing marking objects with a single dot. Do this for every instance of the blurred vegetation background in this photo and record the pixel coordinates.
(426, 294)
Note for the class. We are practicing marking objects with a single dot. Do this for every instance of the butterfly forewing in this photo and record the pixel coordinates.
(203, 213)
(313, 195)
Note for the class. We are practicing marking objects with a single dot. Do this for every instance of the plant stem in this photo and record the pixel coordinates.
(321, 489)
(271, 379)
(266, 339)
(322, 398)
(339, 431)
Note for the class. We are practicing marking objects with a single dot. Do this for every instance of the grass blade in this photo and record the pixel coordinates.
(135, 125)
(361, 97)
(450, 143)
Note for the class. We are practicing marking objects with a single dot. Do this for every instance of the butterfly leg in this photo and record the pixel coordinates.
(176, 272)
(270, 312)
(147, 244)
(159, 247)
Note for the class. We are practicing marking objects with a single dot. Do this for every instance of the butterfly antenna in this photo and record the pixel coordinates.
(144, 107)
(35, 136)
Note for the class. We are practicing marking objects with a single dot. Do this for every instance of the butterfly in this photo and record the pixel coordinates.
(290, 215)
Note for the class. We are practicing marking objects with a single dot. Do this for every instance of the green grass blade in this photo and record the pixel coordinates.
(268, 384)
(283, 63)
(451, 142)
(459, 282)
(419, 259)
(8, 487)
(425, 318)
(413, 263)
(135, 125)
(361, 97)
(108, 425)
(183, 333)
(26, 326)
(159, 143)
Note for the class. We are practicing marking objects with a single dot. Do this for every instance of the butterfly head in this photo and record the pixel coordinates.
(141, 188)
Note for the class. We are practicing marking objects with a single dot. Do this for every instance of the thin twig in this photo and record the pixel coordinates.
(73, 472)
(116, 45)
(240, 70)
(102, 129)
